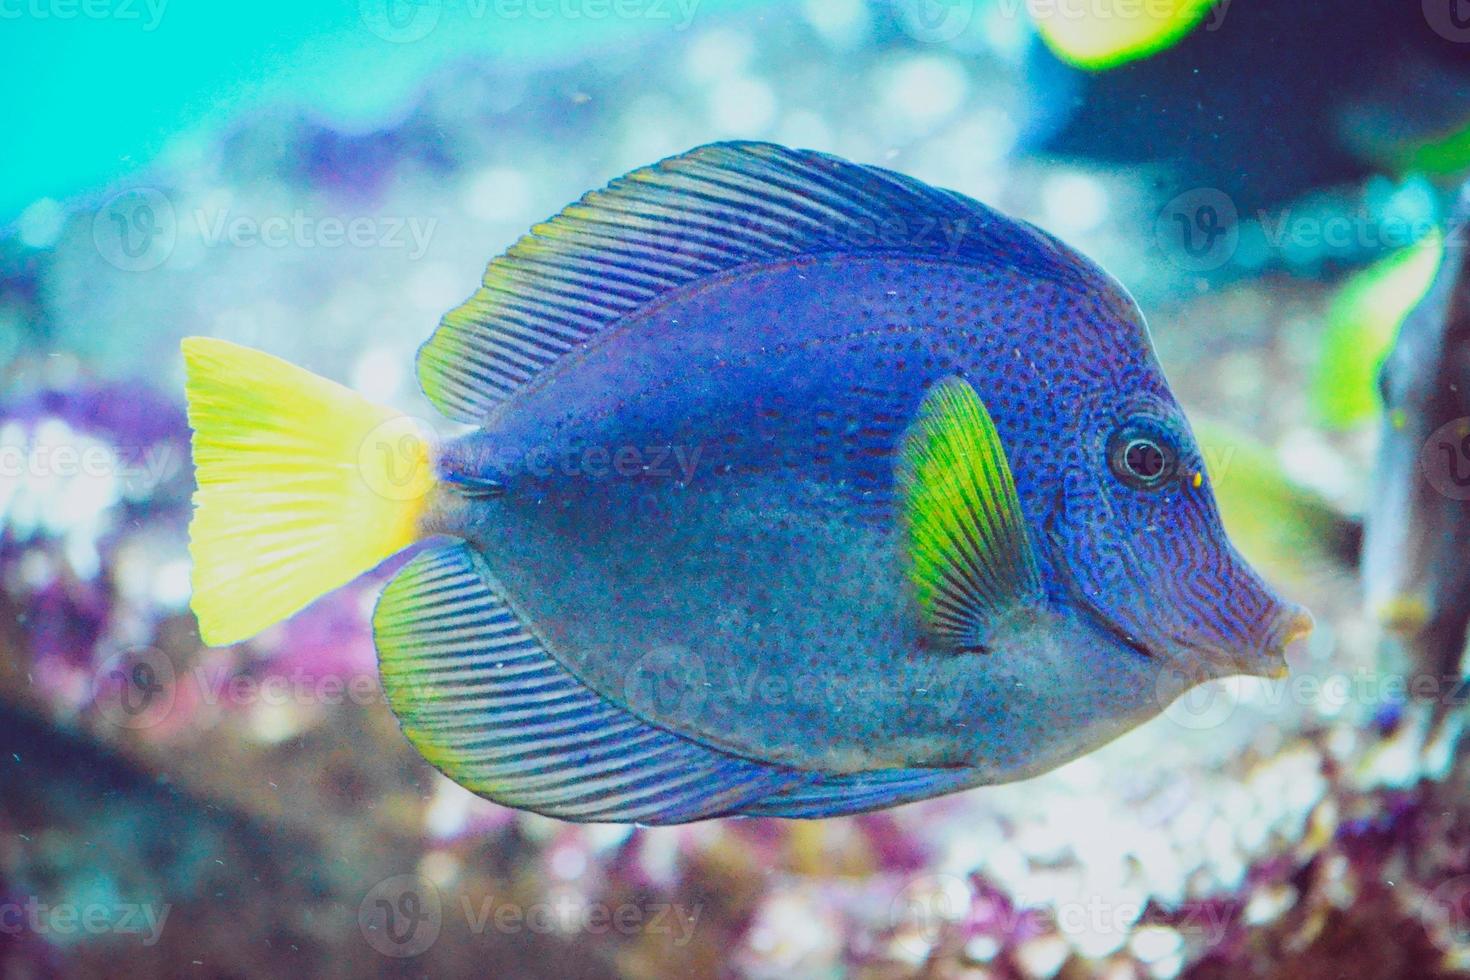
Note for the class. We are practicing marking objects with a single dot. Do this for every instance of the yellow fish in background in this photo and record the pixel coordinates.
(1362, 324)
(1099, 34)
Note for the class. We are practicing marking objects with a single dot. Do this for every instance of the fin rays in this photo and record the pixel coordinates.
(707, 211)
(291, 503)
(513, 725)
(972, 560)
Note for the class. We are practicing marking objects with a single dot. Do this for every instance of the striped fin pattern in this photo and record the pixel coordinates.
(701, 213)
(483, 701)
(972, 560)
(835, 796)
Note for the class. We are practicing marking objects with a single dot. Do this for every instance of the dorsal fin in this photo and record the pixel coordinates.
(971, 560)
(701, 213)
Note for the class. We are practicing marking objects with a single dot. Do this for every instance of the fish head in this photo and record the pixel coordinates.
(1142, 550)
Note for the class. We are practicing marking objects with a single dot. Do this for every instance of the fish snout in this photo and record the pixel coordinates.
(1259, 651)
(1291, 623)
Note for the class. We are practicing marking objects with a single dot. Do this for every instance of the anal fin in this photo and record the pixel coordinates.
(484, 702)
(841, 795)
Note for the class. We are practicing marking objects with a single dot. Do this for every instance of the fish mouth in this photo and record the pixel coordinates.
(1291, 623)
(1261, 651)
(1263, 658)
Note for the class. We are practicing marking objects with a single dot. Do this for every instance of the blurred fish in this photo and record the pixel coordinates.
(1109, 33)
(1362, 324)
(1415, 570)
(1392, 126)
(796, 487)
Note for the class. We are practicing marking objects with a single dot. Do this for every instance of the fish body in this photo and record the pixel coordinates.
(797, 487)
(762, 552)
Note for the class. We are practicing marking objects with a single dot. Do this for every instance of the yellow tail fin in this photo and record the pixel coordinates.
(303, 486)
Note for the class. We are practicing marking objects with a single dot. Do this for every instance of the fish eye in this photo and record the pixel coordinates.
(1142, 459)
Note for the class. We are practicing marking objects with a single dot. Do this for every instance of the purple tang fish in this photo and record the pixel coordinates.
(793, 487)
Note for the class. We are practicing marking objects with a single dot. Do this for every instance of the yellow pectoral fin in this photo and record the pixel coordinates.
(971, 560)
(302, 486)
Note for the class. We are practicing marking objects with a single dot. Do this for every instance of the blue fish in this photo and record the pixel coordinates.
(794, 487)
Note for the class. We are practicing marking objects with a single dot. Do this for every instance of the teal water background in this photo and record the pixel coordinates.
(98, 89)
